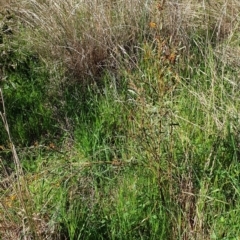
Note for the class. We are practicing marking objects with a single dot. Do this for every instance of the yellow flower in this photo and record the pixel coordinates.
(13, 197)
(10, 200)
(152, 25)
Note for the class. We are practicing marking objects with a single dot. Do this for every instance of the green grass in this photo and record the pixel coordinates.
(125, 132)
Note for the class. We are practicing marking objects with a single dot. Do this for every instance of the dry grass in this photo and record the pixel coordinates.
(218, 18)
(86, 35)
(91, 36)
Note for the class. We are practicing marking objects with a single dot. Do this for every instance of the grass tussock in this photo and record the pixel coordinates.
(86, 36)
(120, 120)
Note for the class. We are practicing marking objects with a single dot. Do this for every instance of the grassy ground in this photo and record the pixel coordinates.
(120, 120)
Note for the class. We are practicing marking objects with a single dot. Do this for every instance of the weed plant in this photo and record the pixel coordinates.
(123, 120)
